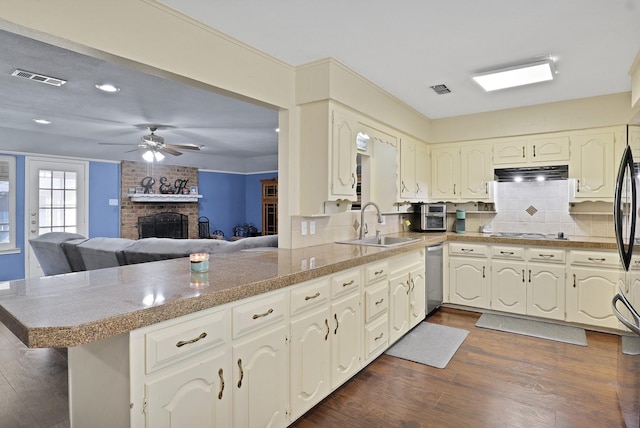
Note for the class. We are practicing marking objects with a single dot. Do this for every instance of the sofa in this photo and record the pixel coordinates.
(61, 252)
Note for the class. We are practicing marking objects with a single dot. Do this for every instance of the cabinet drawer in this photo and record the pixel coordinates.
(507, 252)
(375, 271)
(376, 337)
(547, 255)
(345, 282)
(594, 258)
(471, 250)
(309, 294)
(376, 301)
(259, 313)
(177, 342)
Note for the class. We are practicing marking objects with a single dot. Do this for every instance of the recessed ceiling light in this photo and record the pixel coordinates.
(520, 75)
(42, 121)
(107, 87)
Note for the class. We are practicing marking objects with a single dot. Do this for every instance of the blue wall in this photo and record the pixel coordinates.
(231, 199)
(104, 184)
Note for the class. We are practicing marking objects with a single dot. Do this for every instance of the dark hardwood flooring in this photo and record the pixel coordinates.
(495, 379)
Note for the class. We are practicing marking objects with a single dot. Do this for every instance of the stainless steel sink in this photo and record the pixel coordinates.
(381, 241)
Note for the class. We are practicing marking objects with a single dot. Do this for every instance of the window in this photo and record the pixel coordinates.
(7, 203)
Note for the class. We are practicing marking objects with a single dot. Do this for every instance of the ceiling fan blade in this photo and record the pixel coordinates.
(182, 147)
(170, 151)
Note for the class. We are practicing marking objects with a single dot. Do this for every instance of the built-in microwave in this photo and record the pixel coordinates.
(429, 218)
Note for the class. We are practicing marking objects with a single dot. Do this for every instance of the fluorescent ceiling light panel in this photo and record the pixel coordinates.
(516, 76)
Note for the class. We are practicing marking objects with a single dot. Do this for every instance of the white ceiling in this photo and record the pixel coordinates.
(404, 47)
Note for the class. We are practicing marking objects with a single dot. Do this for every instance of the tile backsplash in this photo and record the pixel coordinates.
(533, 207)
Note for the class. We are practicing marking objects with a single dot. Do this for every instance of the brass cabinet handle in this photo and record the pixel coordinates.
(256, 316)
(546, 256)
(529, 275)
(523, 153)
(221, 375)
(353, 185)
(379, 301)
(454, 189)
(404, 187)
(241, 372)
(413, 284)
(312, 297)
(486, 188)
(417, 188)
(534, 150)
(574, 280)
(345, 284)
(408, 287)
(335, 316)
(522, 275)
(194, 340)
(378, 337)
(483, 272)
(578, 185)
(381, 271)
(594, 259)
(466, 250)
(506, 253)
(326, 323)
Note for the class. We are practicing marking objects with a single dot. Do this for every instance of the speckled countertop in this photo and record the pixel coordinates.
(73, 309)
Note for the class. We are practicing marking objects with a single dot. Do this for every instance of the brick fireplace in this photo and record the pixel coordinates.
(132, 175)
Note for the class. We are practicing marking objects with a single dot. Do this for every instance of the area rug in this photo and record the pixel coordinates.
(630, 345)
(541, 329)
(430, 344)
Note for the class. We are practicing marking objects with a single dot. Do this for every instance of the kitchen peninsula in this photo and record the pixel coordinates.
(128, 328)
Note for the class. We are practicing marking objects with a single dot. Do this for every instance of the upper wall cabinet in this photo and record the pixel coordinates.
(414, 170)
(592, 163)
(327, 157)
(461, 172)
(542, 150)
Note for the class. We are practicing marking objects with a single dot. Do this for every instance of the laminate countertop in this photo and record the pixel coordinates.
(77, 308)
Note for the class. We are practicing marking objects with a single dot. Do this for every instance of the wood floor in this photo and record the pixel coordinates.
(495, 379)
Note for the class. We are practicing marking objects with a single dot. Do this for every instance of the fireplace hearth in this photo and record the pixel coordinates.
(163, 225)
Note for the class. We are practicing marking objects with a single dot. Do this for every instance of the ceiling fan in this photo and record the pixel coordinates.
(154, 146)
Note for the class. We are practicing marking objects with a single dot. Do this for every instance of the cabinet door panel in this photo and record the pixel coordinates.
(589, 293)
(508, 286)
(476, 171)
(417, 304)
(343, 160)
(196, 396)
(553, 149)
(513, 152)
(261, 379)
(545, 291)
(467, 282)
(346, 334)
(592, 164)
(445, 166)
(398, 306)
(310, 355)
(407, 169)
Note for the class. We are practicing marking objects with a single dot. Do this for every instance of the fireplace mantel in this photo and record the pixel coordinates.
(161, 197)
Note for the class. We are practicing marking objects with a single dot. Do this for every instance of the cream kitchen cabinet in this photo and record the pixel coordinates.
(310, 345)
(550, 150)
(528, 281)
(406, 294)
(261, 353)
(592, 165)
(328, 156)
(414, 170)
(469, 274)
(591, 284)
(461, 172)
(376, 310)
(476, 172)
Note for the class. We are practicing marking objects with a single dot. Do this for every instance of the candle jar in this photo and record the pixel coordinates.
(199, 262)
(199, 280)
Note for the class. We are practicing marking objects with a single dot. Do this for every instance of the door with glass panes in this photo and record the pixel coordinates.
(57, 202)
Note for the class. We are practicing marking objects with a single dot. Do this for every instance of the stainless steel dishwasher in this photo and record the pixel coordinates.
(433, 277)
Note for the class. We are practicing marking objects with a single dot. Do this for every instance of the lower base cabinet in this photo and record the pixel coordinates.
(345, 337)
(589, 295)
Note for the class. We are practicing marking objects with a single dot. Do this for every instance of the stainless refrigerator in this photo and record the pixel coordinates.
(625, 303)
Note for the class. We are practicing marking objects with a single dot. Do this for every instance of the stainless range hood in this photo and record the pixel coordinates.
(540, 173)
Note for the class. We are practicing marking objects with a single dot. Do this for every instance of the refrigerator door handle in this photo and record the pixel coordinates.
(624, 209)
(634, 327)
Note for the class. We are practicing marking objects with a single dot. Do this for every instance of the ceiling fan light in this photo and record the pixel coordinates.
(159, 156)
(148, 156)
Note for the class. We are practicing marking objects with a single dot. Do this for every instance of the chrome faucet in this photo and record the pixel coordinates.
(363, 226)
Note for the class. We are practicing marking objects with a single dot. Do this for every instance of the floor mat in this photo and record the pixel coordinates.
(541, 329)
(430, 344)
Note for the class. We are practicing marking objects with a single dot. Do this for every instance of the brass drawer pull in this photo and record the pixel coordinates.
(241, 372)
(378, 337)
(335, 316)
(506, 253)
(256, 316)
(221, 375)
(466, 250)
(546, 256)
(326, 323)
(346, 284)
(312, 297)
(593, 259)
(194, 340)
(381, 271)
(379, 301)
